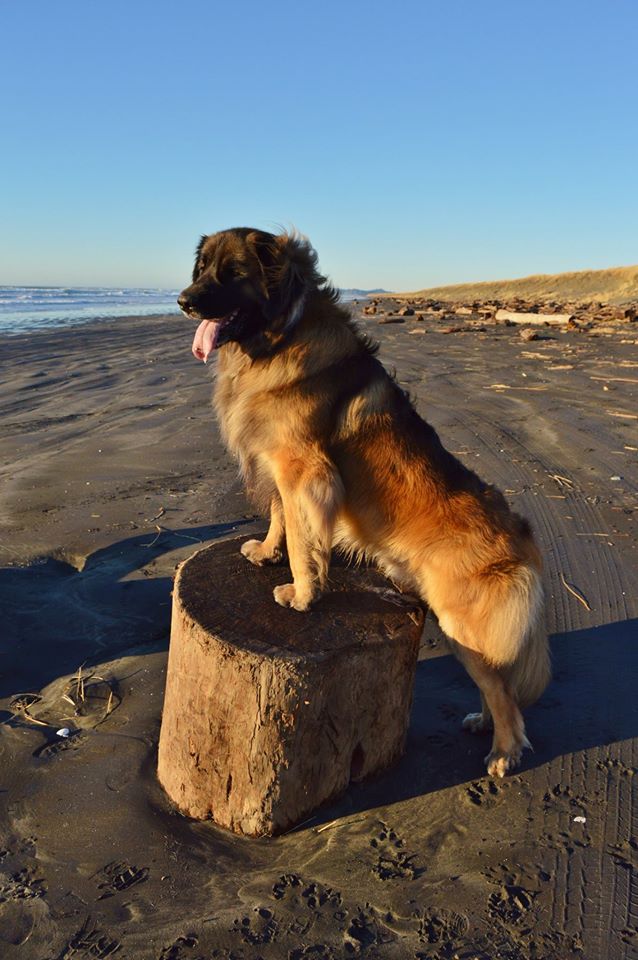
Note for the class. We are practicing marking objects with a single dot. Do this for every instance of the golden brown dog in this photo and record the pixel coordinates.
(328, 440)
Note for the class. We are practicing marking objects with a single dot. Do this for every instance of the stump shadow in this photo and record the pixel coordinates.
(56, 617)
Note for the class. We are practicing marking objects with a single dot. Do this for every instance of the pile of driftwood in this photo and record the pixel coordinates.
(573, 314)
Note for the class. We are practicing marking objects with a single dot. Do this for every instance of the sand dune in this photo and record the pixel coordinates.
(616, 285)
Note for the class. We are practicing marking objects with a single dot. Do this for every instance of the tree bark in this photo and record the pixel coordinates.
(268, 712)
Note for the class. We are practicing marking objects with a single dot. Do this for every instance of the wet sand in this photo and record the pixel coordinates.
(112, 472)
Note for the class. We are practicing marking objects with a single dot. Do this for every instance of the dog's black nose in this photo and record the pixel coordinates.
(182, 301)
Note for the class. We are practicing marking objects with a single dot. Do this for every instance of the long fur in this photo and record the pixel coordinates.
(327, 439)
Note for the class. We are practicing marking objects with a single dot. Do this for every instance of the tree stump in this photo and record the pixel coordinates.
(269, 712)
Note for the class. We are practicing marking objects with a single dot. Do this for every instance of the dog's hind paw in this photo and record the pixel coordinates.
(477, 723)
(501, 762)
(287, 595)
(254, 551)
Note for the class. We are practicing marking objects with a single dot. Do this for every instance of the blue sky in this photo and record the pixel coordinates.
(415, 143)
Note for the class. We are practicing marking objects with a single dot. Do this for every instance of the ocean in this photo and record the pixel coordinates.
(23, 309)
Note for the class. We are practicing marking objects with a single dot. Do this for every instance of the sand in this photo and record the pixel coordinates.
(112, 472)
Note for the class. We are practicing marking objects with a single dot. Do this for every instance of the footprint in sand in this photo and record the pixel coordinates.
(483, 794)
(511, 903)
(306, 905)
(117, 877)
(525, 875)
(263, 927)
(565, 842)
(563, 793)
(23, 885)
(61, 745)
(366, 931)
(442, 926)
(310, 893)
(318, 951)
(450, 712)
(176, 950)
(90, 941)
(612, 764)
(625, 853)
(394, 862)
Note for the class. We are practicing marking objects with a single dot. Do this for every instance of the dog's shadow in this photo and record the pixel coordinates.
(591, 702)
(57, 617)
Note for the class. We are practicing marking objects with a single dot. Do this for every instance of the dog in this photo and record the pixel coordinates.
(333, 447)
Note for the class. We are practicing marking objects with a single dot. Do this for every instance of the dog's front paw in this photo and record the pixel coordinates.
(287, 595)
(254, 551)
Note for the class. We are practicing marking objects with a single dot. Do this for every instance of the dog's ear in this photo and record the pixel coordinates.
(197, 268)
(289, 267)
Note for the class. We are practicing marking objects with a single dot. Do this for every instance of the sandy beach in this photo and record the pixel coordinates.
(113, 472)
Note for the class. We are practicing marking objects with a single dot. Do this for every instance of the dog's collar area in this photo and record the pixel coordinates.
(295, 311)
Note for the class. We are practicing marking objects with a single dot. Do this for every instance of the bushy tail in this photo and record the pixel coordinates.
(530, 672)
(514, 637)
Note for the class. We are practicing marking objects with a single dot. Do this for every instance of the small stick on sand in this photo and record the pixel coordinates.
(109, 704)
(615, 379)
(576, 593)
(338, 823)
(83, 684)
(561, 481)
(161, 530)
(20, 708)
(297, 826)
(622, 414)
(27, 716)
(184, 536)
(155, 539)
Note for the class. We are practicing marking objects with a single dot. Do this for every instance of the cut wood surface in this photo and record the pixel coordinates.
(269, 712)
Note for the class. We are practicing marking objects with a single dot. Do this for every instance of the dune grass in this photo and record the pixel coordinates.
(615, 285)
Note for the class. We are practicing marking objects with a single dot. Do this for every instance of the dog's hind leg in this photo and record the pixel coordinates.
(311, 492)
(270, 550)
(479, 722)
(497, 627)
(509, 727)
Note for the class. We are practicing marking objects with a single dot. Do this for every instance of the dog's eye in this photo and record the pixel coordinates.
(231, 272)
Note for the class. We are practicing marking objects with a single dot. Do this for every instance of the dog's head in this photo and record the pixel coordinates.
(249, 287)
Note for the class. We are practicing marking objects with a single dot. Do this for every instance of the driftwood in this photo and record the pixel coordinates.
(269, 712)
(553, 319)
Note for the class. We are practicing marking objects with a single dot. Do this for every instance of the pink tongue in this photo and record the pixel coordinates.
(205, 339)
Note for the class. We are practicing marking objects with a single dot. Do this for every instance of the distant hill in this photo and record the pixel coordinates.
(352, 293)
(616, 285)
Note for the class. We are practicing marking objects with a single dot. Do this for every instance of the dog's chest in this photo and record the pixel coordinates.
(247, 418)
(233, 408)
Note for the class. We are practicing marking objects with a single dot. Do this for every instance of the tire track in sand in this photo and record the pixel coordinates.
(595, 896)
